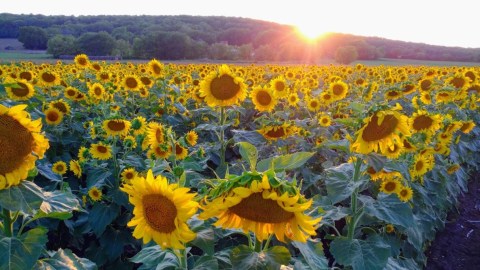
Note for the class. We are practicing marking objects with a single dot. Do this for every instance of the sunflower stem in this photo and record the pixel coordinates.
(183, 259)
(222, 135)
(8, 224)
(258, 246)
(265, 247)
(353, 201)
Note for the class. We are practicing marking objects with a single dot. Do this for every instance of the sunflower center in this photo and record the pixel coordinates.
(425, 85)
(156, 69)
(390, 186)
(422, 122)
(26, 75)
(61, 107)
(71, 93)
(131, 82)
(145, 80)
(160, 212)
(129, 175)
(48, 77)
(256, 208)
(264, 98)
(457, 82)
(325, 120)
(15, 144)
(82, 61)
(178, 149)
(116, 125)
(373, 131)
(21, 91)
(337, 89)
(279, 86)
(102, 149)
(97, 91)
(314, 104)
(53, 116)
(224, 87)
(60, 167)
(278, 133)
(419, 165)
(159, 135)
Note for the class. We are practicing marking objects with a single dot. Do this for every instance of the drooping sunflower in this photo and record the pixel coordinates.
(101, 151)
(279, 87)
(130, 142)
(114, 127)
(128, 175)
(467, 126)
(22, 90)
(82, 61)
(21, 144)
(338, 90)
(61, 105)
(262, 208)
(421, 165)
(76, 168)
(59, 167)
(95, 194)
(275, 132)
(161, 211)
(160, 151)
(223, 88)
(380, 131)
(324, 120)
(263, 99)
(191, 137)
(155, 134)
(155, 68)
(422, 121)
(53, 116)
(180, 152)
(405, 193)
(139, 125)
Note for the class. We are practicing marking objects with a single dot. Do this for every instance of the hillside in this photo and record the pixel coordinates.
(196, 37)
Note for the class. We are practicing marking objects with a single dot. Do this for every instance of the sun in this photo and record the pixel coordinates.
(310, 30)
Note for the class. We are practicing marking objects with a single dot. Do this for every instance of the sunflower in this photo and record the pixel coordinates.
(338, 90)
(61, 105)
(76, 168)
(139, 125)
(393, 94)
(279, 87)
(160, 151)
(425, 85)
(131, 82)
(408, 88)
(405, 193)
(26, 75)
(49, 78)
(444, 96)
(155, 133)
(21, 144)
(59, 167)
(467, 127)
(426, 98)
(128, 175)
(326, 98)
(263, 99)
(313, 104)
(95, 194)
(114, 127)
(82, 61)
(422, 121)
(293, 99)
(389, 228)
(20, 90)
(96, 91)
(161, 211)
(259, 207)
(53, 116)
(130, 142)
(458, 81)
(155, 68)
(101, 151)
(191, 138)
(390, 186)
(380, 131)
(275, 132)
(324, 120)
(421, 165)
(394, 151)
(223, 88)
(180, 152)
(453, 168)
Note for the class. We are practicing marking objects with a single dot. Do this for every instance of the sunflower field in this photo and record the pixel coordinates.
(205, 166)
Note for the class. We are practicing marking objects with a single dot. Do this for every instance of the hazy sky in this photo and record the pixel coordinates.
(441, 22)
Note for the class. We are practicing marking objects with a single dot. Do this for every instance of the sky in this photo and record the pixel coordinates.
(440, 22)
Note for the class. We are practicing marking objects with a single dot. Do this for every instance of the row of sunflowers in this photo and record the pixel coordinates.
(204, 166)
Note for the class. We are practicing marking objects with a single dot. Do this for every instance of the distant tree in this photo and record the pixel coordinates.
(123, 49)
(346, 55)
(163, 45)
(245, 52)
(100, 43)
(220, 51)
(62, 45)
(265, 53)
(33, 37)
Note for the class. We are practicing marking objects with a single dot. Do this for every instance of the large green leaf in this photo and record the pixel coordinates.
(285, 162)
(206, 262)
(205, 240)
(59, 201)
(65, 259)
(112, 242)
(97, 176)
(45, 169)
(22, 253)
(26, 197)
(101, 215)
(249, 154)
(360, 254)
(312, 251)
(155, 257)
(391, 210)
(244, 258)
(340, 184)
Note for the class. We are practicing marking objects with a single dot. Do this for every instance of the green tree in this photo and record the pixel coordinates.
(33, 37)
(346, 54)
(62, 45)
(100, 43)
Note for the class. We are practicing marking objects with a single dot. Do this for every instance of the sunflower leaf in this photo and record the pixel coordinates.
(22, 252)
(249, 154)
(360, 254)
(66, 259)
(26, 197)
(244, 258)
(312, 251)
(391, 210)
(101, 215)
(285, 162)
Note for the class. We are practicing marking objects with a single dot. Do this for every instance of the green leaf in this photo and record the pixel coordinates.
(206, 262)
(102, 215)
(285, 162)
(339, 182)
(205, 240)
(360, 254)
(65, 259)
(22, 253)
(391, 210)
(59, 201)
(155, 257)
(46, 170)
(312, 251)
(244, 258)
(252, 137)
(112, 242)
(26, 197)
(97, 176)
(249, 154)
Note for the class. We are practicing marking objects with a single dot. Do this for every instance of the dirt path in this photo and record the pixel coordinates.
(458, 246)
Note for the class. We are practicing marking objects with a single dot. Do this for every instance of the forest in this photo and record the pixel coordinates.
(207, 37)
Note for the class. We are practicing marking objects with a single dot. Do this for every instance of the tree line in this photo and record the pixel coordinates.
(213, 37)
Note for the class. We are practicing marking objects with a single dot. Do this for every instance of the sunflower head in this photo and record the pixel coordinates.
(263, 99)
(191, 138)
(53, 116)
(95, 194)
(114, 127)
(19, 89)
(223, 88)
(161, 211)
(82, 61)
(156, 68)
(59, 167)
(262, 204)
